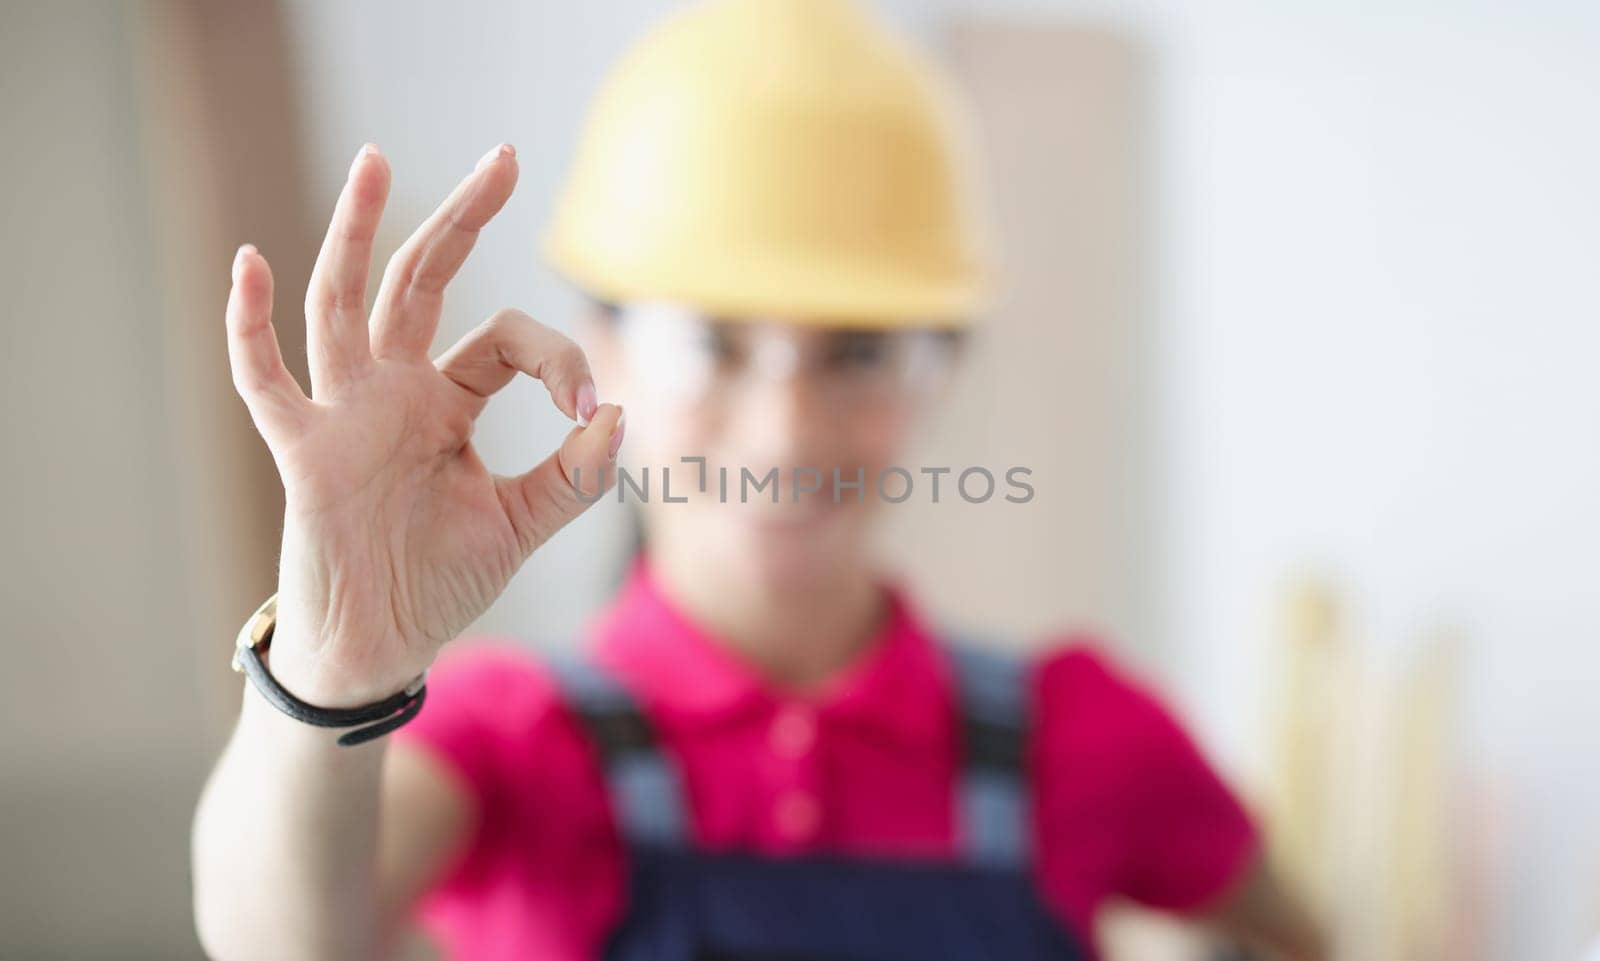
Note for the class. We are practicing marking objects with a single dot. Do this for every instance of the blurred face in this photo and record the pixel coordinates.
(774, 408)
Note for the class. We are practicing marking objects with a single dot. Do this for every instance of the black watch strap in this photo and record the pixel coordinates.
(380, 717)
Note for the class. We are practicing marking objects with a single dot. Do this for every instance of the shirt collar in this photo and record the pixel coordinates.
(899, 685)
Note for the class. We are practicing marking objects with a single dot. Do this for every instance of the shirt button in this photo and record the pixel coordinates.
(794, 732)
(799, 814)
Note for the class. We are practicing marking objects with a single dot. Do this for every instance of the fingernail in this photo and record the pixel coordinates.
(586, 403)
(238, 255)
(367, 150)
(504, 150)
(616, 435)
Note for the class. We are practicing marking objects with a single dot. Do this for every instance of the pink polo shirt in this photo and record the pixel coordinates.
(1124, 803)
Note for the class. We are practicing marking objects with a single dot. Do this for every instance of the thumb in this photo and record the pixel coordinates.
(564, 485)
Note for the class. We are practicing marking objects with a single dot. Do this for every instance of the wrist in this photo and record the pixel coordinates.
(326, 685)
(363, 720)
(263, 723)
(360, 723)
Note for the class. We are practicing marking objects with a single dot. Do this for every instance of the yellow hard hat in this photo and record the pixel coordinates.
(775, 158)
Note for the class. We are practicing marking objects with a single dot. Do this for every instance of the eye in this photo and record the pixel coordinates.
(718, 343)
(860, 351)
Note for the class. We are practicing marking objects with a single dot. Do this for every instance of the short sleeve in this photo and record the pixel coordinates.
(1170, 833)
(543, 874)
(477, 695)
(488, 707)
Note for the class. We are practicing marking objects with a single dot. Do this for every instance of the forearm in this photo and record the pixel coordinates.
(396, 537)
(285, 843)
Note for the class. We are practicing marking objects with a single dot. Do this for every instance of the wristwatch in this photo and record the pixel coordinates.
(379, 717)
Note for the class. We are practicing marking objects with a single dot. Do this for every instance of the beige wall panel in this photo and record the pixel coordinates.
(1056, 382)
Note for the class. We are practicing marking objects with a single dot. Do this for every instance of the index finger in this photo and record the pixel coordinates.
(488, 357)
(412, 294)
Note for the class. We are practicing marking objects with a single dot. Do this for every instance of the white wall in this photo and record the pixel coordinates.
(1383, 334)
(1375, 269)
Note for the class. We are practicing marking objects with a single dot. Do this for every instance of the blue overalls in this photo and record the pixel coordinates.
(692, 905)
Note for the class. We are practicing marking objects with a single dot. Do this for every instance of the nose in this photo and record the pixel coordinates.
(781, 423)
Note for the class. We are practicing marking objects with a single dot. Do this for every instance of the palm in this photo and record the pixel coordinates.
(400, 495)
(396, 536)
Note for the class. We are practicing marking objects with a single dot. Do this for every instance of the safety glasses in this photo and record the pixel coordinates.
(694, 359)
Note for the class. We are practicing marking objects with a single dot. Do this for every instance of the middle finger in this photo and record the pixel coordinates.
(336, 313)
(412, 295)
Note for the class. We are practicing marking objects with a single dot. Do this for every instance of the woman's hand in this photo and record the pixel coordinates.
(396, 536)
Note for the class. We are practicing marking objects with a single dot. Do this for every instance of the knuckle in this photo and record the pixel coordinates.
(554, 507)
(350, 235)
(430, 277)
(507, 319)
(402, 267)
(348, 299)
(459, 220)
(569, 357)
(335, 300)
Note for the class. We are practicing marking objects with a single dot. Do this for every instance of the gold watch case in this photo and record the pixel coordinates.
(255, 630)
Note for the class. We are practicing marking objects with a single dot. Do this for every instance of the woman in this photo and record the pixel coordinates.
(768, 752)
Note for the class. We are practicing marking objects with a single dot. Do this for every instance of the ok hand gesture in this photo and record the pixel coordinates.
(395, 534)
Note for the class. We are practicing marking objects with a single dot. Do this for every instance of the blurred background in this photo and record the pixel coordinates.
(1299, 334)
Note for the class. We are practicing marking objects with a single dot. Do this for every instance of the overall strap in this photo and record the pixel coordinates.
(642, 781)
(993, 802)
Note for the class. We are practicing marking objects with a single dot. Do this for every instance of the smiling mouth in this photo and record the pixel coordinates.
(813, 509)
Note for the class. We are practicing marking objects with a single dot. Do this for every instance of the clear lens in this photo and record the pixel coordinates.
(695, 358)
(671, 348)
